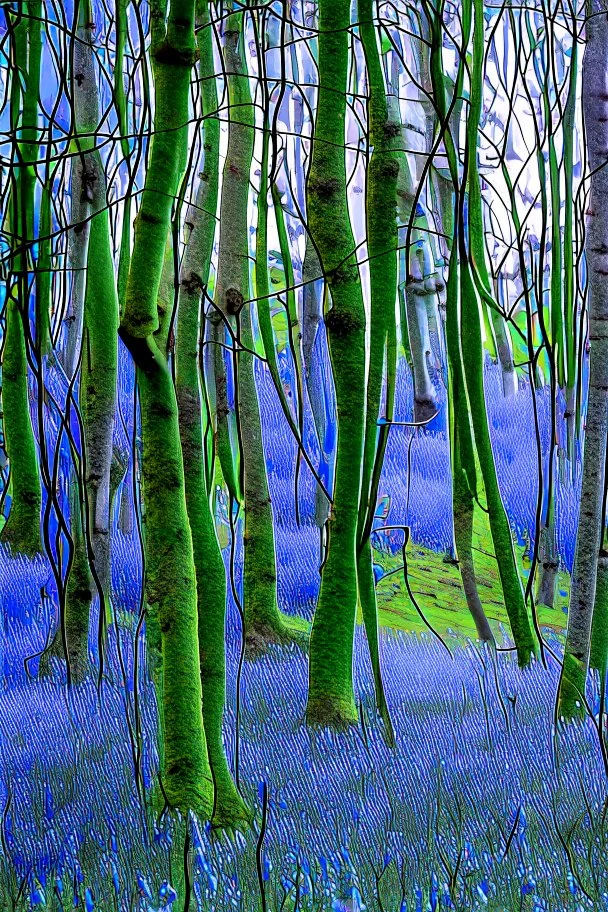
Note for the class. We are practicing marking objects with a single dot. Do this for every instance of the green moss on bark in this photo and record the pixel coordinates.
(264, 622)
(22, 530)
(330, 692)
(473, 358)
(229, 809)
(382, 238)
(170, 570)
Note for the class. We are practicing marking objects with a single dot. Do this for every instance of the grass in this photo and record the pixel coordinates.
(437, 588)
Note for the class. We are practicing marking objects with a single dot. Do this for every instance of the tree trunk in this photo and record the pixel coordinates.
(462, 448)
(228, 808)
(263, 621)
(589, 536)
(330, 694)
(170, 571)
(99, 364)
(473, 359)
(382, 238)
(22, 529)
(598, 655)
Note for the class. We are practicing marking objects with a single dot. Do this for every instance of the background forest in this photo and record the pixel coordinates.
(304, 383)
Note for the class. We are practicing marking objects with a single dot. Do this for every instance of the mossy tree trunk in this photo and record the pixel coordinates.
(228, 808)
(382, 236)
(564, 328)
(22, 529)
(99, 363)
(589, 536)
(471, 295)
(94, 298)
(170, 570)
(330, 691)
(264, 622)
(462, 446)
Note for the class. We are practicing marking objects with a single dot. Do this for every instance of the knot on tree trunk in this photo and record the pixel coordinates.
(176, 57)
(391, 129)
(234, 301)
(324, 189)
(389, 168)
(343, 323)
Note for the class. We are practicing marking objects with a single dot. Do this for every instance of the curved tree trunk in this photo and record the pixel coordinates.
(462, 448)
(99, 363)
(472, 355)
(170, 569)
(589, 537)
(228, 808)
(330, 692)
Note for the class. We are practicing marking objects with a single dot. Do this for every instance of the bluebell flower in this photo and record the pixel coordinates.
(167, 893)
(323, 864)
(528, 886)
(434, 892)
(143, 886)
(37, 897)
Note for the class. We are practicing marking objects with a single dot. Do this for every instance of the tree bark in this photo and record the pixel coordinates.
(22, 529)
(330, 692)
(170, 570)
(264, 622)
(589, 536)
(382, 238)
(229, 808)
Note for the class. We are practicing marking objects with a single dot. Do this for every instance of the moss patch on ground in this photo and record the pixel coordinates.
(437, 588)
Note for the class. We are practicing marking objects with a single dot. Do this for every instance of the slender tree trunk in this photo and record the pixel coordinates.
(563, 318)
(589, 537)
(570, 297)
(44, 275)
(22, 529)
(264, 622)
(228, 807)
(598, 655)
(464, 473)
(472, 354)
(381, 210)
(330, 694)
(99, 364)
(312, 325)
(462, 448)
(85, 168)
(549, 561)
(94, 289)
(170, 569)
(73, 634)
(312, 299)
(417, 291)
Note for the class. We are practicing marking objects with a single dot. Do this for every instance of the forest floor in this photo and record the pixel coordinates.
(437, 588)
(482, 805)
